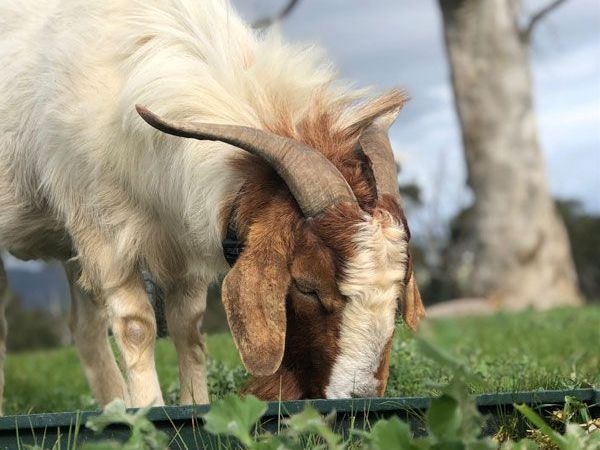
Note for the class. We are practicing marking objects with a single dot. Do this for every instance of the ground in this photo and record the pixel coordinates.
(525, 351)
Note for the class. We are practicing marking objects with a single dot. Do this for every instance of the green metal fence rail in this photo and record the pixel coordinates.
(184, 423)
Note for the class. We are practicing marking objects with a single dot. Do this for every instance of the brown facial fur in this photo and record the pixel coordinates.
(383, 371)
(314, 309)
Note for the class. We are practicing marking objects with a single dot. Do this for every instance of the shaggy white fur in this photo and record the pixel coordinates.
(80, 169)
(372, 283)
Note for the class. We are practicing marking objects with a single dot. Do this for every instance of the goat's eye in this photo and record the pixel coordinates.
(306, 290)
(310, 295)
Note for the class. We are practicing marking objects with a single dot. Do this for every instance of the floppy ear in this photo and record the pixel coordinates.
(412, 306)
(254, 295)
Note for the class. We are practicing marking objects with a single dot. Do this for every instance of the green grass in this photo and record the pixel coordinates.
(525, 351)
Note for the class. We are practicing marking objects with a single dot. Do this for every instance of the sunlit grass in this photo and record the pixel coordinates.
(525, 351)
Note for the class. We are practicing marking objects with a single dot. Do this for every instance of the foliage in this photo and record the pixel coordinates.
(576, 437)
(144, 436)
(32, 328)
(584, 233)
(223, 379)
(390, 433)
(452, 420)
(233, 416)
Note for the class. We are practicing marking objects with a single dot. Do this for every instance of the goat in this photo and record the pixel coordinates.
(251, 139)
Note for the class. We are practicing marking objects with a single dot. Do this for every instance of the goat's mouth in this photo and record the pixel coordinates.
(357, 392)
(283, 385)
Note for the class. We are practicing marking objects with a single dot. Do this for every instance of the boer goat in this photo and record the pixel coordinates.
(256, 157)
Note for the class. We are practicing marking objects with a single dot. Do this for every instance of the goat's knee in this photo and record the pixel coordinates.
(136, 336)
(89, 328)
(134, 326)
(136, 333)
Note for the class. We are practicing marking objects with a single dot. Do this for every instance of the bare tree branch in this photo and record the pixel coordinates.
(537, 17)
(266, 22)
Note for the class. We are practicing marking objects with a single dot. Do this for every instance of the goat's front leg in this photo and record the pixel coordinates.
(185, 308)
(134, 326)
(89, 327)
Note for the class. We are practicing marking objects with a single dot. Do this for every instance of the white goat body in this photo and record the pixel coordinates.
(83, 177)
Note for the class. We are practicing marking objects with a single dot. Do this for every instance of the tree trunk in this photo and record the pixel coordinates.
(521, 254)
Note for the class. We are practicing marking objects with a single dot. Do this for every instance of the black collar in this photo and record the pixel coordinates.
(232, 247)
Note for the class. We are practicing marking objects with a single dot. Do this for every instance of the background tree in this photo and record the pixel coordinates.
(516, 252)
(584, 233)
(267, 21)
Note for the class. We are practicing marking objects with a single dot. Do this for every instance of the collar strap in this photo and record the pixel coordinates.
(232, 247)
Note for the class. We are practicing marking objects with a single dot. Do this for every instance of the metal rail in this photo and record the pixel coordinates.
(184, 423)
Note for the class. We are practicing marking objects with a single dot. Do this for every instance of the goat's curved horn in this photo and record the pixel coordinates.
(312, 179)
(376, 145)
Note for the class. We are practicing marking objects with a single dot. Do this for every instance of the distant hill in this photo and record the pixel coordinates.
(43, 286)
(38, 286)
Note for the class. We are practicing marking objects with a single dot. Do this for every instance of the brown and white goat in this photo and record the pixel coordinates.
(266, 145)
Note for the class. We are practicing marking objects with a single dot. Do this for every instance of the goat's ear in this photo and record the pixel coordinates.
(412, 306)
(383, 109)
(254, 294)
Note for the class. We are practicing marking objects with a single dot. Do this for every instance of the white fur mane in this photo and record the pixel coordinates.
(76, 68)
(372, 283)
(181, 50)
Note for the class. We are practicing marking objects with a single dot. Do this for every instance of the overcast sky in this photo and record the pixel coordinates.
(388, 43)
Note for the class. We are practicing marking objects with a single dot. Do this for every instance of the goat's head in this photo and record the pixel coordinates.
(312, 299)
